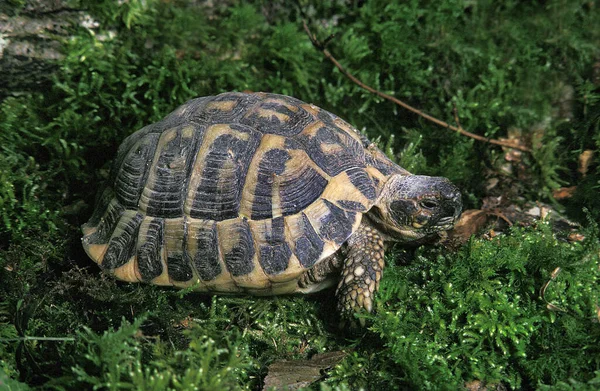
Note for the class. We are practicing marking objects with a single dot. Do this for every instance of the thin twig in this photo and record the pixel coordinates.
(390, 98)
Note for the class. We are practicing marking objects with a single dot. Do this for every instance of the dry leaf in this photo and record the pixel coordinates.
(185, 323)
(564, 192)
(585, 159)
(575, 237)
(471, 221)
(491, 183)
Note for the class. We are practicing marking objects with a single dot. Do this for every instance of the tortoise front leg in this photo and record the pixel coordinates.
(361, 272)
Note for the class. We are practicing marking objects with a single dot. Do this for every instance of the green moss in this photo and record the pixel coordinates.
(478, 314)
(442, 320)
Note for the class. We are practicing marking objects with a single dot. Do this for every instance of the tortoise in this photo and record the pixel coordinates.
(263, 194)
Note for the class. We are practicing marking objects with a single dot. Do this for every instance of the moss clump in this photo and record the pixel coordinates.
(479, 312)
(442, 320)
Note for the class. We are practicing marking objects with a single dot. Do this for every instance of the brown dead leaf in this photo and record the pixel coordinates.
(564, 192)
(491, 234)
(585, 159)
(295, 374)
(470, 223)
(575, 237)
(185, 323)
(491, 183)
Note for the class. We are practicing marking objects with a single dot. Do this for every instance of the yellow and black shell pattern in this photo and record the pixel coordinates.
(239, 192)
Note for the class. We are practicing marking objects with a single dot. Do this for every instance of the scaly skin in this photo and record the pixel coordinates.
(362, 271)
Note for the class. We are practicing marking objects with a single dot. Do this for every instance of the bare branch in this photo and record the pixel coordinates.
(397, 101)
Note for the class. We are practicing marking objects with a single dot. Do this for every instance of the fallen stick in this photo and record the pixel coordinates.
(397, 101)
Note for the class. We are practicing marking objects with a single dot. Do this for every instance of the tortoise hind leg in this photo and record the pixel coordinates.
(361, 272)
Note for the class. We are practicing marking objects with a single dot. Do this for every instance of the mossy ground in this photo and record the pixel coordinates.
(444, 319)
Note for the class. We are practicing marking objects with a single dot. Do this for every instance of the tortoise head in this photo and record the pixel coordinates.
(415, 206)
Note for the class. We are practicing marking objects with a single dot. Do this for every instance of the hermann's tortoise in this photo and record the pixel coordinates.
(260, 194)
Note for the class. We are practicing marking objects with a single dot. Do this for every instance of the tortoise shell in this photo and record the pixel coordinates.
(239, 192)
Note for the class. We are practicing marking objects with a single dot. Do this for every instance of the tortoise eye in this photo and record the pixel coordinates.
(428, 204)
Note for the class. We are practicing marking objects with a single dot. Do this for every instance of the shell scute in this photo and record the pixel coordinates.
(281, 181)
(275, 253)
(133, 172)
(279, 115)
(162, 195)
(363, 182)
(219, 173)
(101, 229)
(332, 150)
(149, 248)
(122, 244)
(308, 246)
(272, 165)
(178, 265)
(221, 109)
(336, 225)
(202, 248)
(236, 246)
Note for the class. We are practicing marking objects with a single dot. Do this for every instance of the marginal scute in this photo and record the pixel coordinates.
(150, 246)
(202, 248)
(178, 265)
(352, 205)
(337, 224)
(237, 247)
(361, 180)
(342, 187)
(308, 246)
(275, 253)
(107, 224)
(121, 246)
(128, 272)
(379, 161)
(103, 200)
